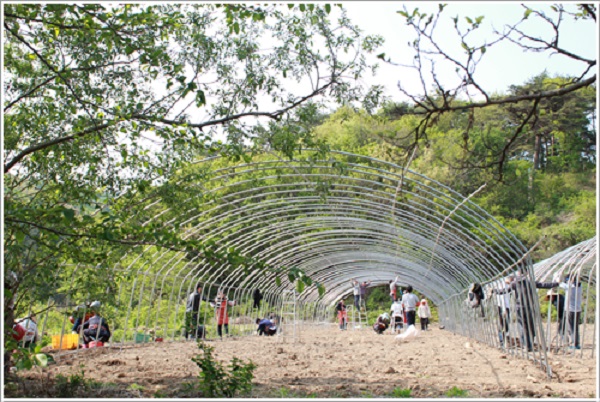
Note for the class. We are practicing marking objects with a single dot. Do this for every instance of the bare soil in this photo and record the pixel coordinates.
(325, 362)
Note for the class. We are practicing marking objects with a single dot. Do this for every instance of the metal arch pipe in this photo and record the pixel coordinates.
(423, 208)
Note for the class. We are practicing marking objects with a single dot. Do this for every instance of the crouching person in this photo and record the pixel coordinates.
(382, 323)
(96, 328)
(266, 327)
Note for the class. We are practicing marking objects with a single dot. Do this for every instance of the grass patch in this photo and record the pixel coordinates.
(456, 392)
(401, 393)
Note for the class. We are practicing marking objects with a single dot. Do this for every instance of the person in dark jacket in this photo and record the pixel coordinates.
(266, 327)
(191, 310)
(256, 297)
(525, 297)
(96, 328)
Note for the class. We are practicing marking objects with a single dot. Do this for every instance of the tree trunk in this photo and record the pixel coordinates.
(9, 320)
(537, 149)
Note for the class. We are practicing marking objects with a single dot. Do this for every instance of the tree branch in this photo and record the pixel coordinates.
(43, 145)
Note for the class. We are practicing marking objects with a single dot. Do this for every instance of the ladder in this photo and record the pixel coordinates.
(288, 317)
(359, 316)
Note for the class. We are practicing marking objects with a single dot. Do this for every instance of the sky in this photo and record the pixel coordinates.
(502, 65)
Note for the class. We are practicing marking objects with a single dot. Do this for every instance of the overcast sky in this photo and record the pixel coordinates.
(501, 66)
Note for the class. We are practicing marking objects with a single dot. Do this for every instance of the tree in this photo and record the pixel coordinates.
(104, 103)
(467, 93)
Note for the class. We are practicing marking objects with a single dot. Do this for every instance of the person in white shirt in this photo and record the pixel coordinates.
(424, 314)
(393, 289)
(410, 302)
(30, 326)
(573, 294)
(356, 292)
(397, 314)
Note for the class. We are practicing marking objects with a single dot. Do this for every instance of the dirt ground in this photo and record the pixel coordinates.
(325, 362)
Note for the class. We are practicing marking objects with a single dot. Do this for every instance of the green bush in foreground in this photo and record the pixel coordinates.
(216, 381)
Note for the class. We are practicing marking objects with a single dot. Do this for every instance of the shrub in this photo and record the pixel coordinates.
(216, 381)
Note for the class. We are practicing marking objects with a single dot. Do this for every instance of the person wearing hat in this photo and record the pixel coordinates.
(397, 313)
(382, 323)
(558, 301)
(96, 328)
(29, 324)
(81, 314)
(424, 314)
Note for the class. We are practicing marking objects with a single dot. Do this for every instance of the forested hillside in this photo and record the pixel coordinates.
(547, 185)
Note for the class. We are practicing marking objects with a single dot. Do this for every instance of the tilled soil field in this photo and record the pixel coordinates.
(324, 362)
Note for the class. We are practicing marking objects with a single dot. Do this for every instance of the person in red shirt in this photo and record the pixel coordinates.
(221, 304)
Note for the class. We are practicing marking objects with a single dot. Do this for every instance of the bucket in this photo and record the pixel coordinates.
(142, 338)
(69, 341)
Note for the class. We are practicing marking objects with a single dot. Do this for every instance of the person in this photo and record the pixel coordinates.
(96, 328)
(363, 291)
(525, 295)
(356, 293)
(256, 297)
(191, 309)
(393, 289)
(424, 314)
(503, 304)
(81, 314)
(410, 302)
(397, 313)
(29, 324)
(558, 301)
(574, 294)
(382, 323)
(342, 314)
(266, 327)
(476, 297)
(403, 309)
(221, 303)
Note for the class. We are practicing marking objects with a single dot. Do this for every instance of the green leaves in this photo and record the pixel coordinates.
(69, 214)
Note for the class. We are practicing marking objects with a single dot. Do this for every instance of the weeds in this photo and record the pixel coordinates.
(136, 387)
(287, 393)
(69, 387)
(159, 394)
(216, 381)
(401, 393)
(456, 392)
